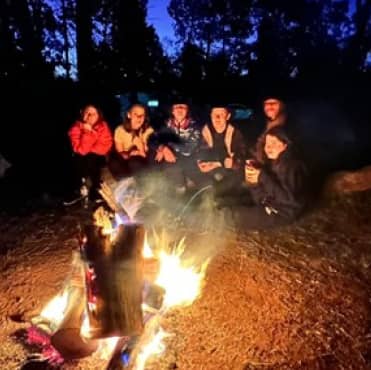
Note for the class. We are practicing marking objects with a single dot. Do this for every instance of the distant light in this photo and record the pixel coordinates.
(153, 103)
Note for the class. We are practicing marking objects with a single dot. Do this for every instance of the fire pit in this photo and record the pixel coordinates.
(116, 294)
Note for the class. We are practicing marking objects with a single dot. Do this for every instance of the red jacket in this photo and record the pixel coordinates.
(98, 140)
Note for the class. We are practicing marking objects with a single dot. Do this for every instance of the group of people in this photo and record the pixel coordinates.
(261, 185)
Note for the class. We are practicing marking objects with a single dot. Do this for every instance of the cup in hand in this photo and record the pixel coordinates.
(250, 166)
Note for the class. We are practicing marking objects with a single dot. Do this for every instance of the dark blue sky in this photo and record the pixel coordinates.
(159, 17)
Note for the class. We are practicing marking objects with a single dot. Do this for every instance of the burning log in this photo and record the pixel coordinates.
(67, 339)
(151, 269)
(69, 343)
(153, 296)
(114, 281)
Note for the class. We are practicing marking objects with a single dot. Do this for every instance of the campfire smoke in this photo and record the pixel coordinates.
(120, 287)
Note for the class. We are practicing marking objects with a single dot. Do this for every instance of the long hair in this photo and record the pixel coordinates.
(127, 122)
(99, 111)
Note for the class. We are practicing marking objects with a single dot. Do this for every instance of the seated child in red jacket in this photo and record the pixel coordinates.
(91, 140)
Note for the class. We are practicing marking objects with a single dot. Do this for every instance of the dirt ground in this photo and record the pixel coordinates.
(293, 298)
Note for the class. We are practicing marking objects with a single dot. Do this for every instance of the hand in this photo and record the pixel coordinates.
(137, 153)
(228, 162)
(252, 174)
(138, 142)
(159, 154)
(169, 156)
(208, 166)
(87, 127)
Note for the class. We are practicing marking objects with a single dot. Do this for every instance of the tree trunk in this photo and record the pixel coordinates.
(84, 42)
(66, 44)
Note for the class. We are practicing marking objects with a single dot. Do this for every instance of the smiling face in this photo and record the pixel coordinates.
(137, 116)
(90, 115)
(272, 108)
(274, 147)
(219, 118)
(179, 112)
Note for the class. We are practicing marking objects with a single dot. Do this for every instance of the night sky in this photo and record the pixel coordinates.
(159, 17)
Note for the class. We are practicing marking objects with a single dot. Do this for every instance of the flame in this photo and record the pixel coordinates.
(182, 284)
(106, 347)
(54, 311)
(154, 348)
(180, 279)
(85, 326)
(147, 251)
(102, 219)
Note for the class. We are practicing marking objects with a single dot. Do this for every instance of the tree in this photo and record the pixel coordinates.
(222, 26)
(129, 46)
(22, 27)
(359, 44)
(190, 69)
(84, 40)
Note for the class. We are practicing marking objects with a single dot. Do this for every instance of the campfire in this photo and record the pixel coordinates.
(118, 290)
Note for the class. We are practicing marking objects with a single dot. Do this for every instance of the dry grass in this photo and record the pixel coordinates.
(294, 298)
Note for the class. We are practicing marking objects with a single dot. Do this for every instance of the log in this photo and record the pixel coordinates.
(114, 281)
(69, 343)
(67, 339)
(151, 269)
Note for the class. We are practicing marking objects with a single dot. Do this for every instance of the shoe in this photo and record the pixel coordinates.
(180, 190)
(190, 184)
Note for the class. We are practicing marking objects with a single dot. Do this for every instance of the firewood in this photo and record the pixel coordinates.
(114, 280)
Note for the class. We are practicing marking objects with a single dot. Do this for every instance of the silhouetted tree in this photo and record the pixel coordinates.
(221, 26)
(190, 66)
(84, 40)
(359, 46)
(22, 28)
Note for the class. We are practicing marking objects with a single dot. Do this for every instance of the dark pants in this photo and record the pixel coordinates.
(121, 168)
(256, 218)
(89, 166)
(243, 212)
(178, 172)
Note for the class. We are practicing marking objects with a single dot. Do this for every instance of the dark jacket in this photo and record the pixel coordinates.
(282, 186)
(218, 147)
(182, 141)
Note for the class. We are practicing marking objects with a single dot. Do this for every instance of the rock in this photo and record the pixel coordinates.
(348, 181)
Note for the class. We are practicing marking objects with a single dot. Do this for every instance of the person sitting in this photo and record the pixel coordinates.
(277, 187)
(176, 145)
(222, 151)
(131, 150)
(91, 140)
(275, 114)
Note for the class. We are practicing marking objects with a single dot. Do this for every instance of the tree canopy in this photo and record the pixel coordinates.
(110, 43)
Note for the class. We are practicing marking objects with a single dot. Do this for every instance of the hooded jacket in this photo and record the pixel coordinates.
(282, 183)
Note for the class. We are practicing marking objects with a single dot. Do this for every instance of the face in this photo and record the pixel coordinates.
(90, 115)
(137, 116)
(219, 118)
(274, 147)
(272, 108)
(179, 111)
